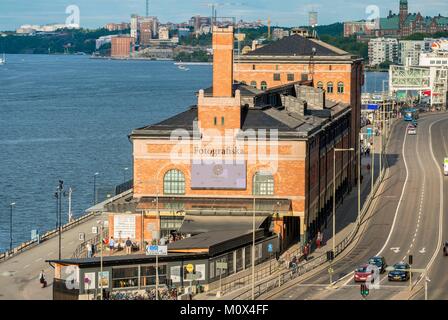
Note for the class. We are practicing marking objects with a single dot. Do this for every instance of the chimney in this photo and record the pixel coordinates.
(222, 61)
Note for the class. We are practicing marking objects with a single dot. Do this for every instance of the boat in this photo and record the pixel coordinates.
(3, 59)
(182, 67)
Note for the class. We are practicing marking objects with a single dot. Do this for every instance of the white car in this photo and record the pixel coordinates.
(412, 130)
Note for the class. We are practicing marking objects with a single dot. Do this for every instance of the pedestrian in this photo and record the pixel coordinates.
(305, 252)
(318, 240)
(42, 279)
(128, 246)
(111, 245)
(89, 250)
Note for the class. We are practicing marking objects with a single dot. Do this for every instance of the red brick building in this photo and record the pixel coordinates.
(248, 151)
(122, 46)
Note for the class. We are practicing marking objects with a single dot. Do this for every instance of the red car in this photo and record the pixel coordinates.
(361, 273)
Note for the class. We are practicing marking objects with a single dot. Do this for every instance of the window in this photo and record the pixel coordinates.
(253, 67)
(222, 121)
(330, 87)
(215, 121)
(124, 277)
(264, 85)
(253, 84)
(340, 87)
(174, 182)
(276, 76)
(276, 67)
(290, 76)
(320, 85)
(243, 82)
(263, 184)
(148, 275)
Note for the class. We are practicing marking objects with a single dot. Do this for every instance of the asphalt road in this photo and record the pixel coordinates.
(19, 275)
(406, 218)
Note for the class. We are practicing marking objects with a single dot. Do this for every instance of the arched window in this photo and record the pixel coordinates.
(263, 184)
(243, 82)
(253, 84)
(320, 85)
(174, 182)
(264, 85)
(330, 87)
(340, 87)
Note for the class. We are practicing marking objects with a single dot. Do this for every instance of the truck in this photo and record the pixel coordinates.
(445, 166)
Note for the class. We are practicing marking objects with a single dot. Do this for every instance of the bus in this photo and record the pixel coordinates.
(445, 167)
(410, 114)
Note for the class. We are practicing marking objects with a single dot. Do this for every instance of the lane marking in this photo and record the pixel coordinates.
(37, 260)
(25, 267)
(401, 197)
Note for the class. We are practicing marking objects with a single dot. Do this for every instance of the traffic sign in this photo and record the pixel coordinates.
(270, 248)
(330, 270)
(193, 276)
(156, 250)
(372, 106)
(190, 268)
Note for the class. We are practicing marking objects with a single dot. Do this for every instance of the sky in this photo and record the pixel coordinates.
(288, 13)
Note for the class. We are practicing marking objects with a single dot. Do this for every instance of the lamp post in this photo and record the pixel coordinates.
(10, 224)
(94, 187)
(100, 285)
(59, 197)
(334, 194)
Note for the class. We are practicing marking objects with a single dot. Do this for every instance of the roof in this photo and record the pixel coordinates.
(297, 45)
(195, 224)
(390, 23)
(261, 115)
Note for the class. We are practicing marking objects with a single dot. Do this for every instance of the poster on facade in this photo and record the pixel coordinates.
(103, 279)
(124, 226)
(219, 175)
(175, 274)
(89, 281)
(200, 270)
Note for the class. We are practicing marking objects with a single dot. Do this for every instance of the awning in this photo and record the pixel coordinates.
(195, 224)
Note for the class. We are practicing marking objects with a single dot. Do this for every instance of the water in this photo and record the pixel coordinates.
(67, 117)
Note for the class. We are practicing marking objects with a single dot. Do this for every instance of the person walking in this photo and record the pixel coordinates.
(89, 250)
(111, 245)
(128, 246)
(318, 240)
(42, 279)
(305, 252)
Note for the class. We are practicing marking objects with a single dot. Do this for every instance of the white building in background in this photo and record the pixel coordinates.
(383, 50)
(134, 26)
(28, 28)
(410, 50)
(101, 41)
(279, 33)
(164, 33)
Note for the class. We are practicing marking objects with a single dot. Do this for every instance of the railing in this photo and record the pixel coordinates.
(81, 251)
(47, 236)
(288, 275)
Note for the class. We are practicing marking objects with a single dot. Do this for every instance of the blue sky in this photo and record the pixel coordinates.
(95, 13)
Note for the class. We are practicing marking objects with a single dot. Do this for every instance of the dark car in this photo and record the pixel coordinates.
(400, 272)
(380, 262)
(362, 273)
(445, 249)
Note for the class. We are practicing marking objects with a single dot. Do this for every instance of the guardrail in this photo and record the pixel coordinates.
(81, 251)
(288, 275)
(46, 236)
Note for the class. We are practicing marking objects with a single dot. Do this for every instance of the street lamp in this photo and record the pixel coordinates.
(101, 225)
(58, 195)
(334, 194)
(10, 225)
(94, 187)
(253, 251)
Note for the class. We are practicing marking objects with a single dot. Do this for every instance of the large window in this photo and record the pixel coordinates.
(276, 76)
(263, 184)
(253, 84)
(148, 275)
(290, 76)
(330, 87)
(125, 277)
(340, 87)
(174, 182)
(264, 85)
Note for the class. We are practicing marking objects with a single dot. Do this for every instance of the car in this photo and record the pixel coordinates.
(400, 273)
(412, 130)
(380, 262)
(445, 249)
(362, 273)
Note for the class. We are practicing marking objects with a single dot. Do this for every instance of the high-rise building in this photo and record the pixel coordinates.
(149, 27)
(122, 46)
(134, 27)
(383, 50)
(164, 33)
(198, 22)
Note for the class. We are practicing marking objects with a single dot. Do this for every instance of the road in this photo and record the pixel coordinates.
(406, 218)
(19, 275)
